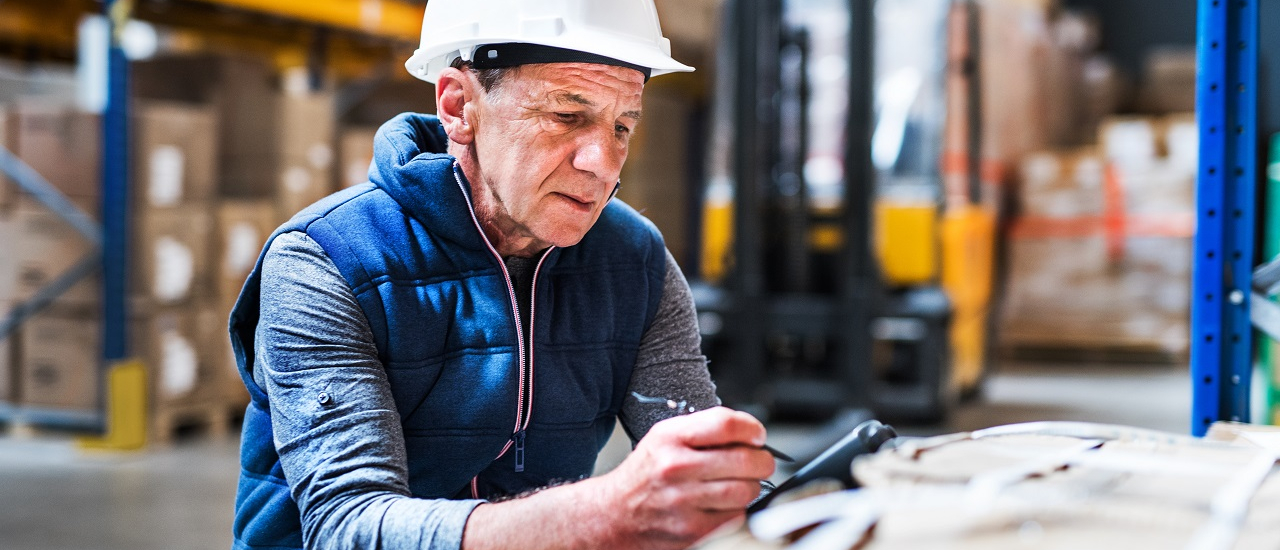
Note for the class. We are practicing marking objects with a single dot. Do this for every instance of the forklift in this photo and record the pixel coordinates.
(846, 255)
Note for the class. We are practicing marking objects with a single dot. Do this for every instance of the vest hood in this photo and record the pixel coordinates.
(412, 165)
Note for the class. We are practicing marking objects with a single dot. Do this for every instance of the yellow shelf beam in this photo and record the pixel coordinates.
(387, 18)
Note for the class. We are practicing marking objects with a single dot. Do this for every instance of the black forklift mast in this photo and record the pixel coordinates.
(797, 327)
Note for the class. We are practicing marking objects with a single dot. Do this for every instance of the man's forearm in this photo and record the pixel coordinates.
(563, 517)
(689, 475)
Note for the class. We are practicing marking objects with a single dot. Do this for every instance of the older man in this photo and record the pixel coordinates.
(390, 333)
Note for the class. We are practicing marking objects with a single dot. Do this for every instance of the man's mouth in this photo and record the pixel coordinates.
(581, 203)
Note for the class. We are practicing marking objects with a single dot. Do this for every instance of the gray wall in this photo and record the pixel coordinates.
(1131, 27)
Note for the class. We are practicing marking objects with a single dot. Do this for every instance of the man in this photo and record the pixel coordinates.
(389, 334)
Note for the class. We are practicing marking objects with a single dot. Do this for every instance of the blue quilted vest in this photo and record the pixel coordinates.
(477, 420)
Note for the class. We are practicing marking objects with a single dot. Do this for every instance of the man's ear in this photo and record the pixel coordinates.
(454, 90)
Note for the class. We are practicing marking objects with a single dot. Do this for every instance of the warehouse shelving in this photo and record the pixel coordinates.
(1225, 295)
(317, 33)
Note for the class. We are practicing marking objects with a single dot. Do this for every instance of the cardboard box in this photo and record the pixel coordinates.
(1130, 142)
(1169, 83)
(242, 230)
(356, 152)
(169, 341)
(63, 145)
(172, 256)
(1062, 184)
(39, 248)
(242, 95)
(307, 134)
(58, 368)
(175, 154)
(216, 355)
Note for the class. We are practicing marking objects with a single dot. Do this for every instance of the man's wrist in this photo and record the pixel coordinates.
(574, 515)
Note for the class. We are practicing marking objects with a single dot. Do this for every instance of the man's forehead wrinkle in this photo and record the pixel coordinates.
(563, 96)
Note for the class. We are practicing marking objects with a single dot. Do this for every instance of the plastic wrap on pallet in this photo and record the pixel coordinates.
(1100, 254)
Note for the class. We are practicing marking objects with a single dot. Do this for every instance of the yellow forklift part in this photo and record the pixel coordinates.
(826, 238)
(387, 18)
(717, 231)
(906, 236)
(126, 409)
(968, 241)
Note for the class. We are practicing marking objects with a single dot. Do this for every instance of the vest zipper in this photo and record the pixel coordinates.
(520, 451)
(524, 395)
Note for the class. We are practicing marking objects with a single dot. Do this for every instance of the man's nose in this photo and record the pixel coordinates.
(600, 153)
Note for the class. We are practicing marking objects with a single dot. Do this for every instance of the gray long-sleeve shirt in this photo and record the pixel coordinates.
(346, 463)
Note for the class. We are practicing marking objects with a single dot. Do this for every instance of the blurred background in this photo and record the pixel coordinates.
(946, 214)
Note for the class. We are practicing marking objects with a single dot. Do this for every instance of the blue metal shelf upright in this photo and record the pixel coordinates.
(1227, 100)
(115, 191)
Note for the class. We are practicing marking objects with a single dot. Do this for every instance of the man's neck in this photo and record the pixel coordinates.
(507, 237)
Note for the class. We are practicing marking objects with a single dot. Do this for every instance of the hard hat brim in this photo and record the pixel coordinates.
(426, 65)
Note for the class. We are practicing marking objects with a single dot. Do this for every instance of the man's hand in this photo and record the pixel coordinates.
(689, 475)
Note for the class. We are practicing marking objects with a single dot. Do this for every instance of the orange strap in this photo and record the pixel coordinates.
(1115, 224)
(1177, 224)
(1113, 212)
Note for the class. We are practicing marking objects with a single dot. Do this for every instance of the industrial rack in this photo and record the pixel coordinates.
(393, 21)
(1229, 294)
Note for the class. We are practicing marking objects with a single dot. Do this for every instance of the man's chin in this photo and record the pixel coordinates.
(563, 237)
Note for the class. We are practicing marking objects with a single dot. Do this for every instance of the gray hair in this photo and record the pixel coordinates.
(490, 79)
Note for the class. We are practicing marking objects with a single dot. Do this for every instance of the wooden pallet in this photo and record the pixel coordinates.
(1092, 353)
(213, 418)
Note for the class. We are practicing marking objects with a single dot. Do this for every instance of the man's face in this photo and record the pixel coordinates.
(549, 145)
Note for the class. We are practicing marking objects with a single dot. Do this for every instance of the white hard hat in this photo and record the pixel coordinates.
(516, 32)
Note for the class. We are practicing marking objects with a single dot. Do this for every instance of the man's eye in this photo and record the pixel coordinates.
(621, 129)
(567, 118)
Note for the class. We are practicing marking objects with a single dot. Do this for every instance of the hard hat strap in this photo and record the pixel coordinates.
(496, 56)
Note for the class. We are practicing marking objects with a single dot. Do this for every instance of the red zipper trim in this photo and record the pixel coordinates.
(533, 310)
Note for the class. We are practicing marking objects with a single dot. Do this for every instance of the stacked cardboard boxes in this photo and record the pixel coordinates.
(305, 145)
(56, 361)
(175, 154)
(175, 295)
(242, 229)
(1100, 256)
(275, 155)
(241, 93)
(220, 157)
(356, 150)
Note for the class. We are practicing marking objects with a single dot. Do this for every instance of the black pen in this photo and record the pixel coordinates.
(682, 408)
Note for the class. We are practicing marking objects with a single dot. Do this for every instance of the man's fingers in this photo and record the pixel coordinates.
(723, 496)
(735, 462)
(715, 427)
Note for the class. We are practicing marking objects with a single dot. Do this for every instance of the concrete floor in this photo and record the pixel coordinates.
(56, 497)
